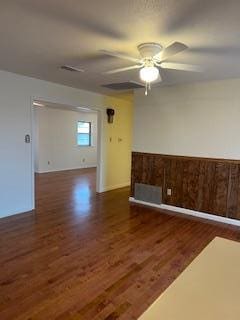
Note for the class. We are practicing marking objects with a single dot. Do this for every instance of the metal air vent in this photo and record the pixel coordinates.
(123, 85)
(148, 193)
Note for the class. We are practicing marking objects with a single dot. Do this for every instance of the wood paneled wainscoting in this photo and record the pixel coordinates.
(201, 184)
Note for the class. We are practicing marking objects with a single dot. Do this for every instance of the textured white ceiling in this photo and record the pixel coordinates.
(37, 37)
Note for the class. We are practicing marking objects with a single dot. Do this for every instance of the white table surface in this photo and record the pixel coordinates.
(208, 289)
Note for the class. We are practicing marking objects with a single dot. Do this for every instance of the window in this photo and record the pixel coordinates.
(84, 133)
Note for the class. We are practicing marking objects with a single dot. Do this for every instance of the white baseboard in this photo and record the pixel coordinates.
(16, 212)
(189, 212)
(66, 169)
(117, 186)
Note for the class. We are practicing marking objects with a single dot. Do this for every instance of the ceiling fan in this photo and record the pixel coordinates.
(152, 58)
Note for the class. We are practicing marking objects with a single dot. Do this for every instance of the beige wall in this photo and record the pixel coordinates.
(201, 119)
(118, 141)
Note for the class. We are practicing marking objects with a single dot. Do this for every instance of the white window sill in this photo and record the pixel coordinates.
(85, 146)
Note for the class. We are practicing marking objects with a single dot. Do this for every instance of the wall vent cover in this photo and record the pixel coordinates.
(123, 85)
(148, 193)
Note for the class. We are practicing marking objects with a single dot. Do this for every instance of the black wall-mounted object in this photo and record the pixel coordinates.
(27, 138)
(110, 114)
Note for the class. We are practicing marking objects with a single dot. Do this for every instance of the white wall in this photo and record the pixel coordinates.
(56, 140)
(201, 119)
(16, 94)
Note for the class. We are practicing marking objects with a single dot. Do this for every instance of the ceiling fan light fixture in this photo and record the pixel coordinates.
(149, 74)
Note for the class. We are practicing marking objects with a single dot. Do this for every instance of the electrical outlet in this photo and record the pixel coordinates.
(169, 192)
(48, 162)
(83, 160)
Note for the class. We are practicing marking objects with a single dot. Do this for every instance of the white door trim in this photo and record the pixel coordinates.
(100, 159)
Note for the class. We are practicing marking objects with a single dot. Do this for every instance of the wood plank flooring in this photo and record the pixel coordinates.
(82, 255)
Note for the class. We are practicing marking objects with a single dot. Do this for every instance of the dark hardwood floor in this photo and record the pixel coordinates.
(83, 255)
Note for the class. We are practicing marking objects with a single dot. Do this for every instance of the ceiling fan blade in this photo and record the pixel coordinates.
(137, 66)
(120, 56)
(174, 48)
(181, 66)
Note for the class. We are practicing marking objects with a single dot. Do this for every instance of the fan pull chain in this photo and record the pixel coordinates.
(147, 87)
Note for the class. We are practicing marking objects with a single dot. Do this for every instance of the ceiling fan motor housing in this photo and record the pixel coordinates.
(149, 49)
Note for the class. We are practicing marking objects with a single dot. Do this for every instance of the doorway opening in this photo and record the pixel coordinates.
(66, 153)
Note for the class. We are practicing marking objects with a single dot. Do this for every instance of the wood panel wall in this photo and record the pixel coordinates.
(202, 184)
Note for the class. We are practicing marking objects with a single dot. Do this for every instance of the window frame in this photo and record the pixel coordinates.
(90, 134)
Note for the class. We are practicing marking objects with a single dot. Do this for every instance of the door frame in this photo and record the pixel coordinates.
(100, 157)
